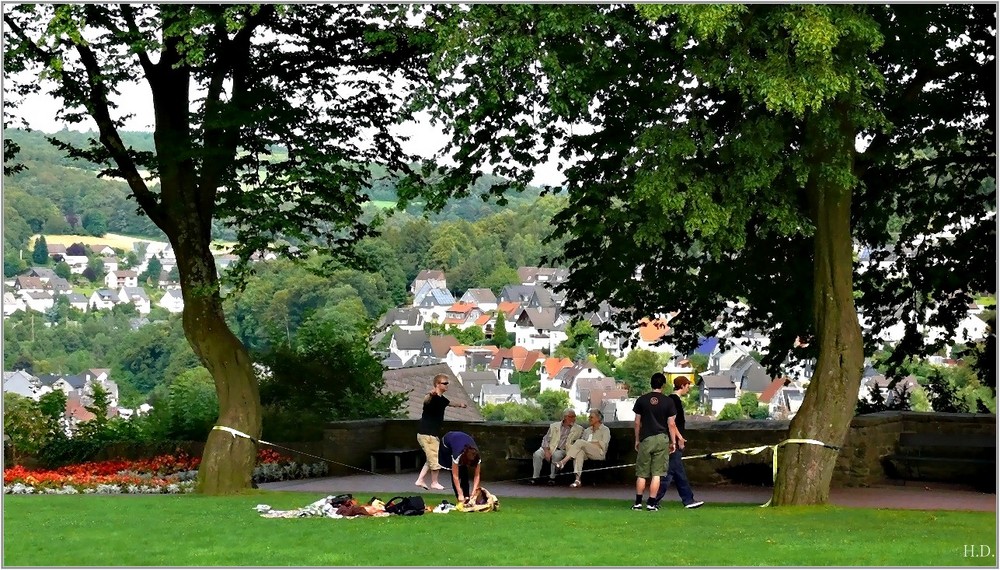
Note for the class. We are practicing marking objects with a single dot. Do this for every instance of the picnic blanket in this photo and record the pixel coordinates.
(342, 507)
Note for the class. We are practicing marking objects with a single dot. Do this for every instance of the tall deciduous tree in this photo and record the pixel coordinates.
(229, 83)
(712, 155)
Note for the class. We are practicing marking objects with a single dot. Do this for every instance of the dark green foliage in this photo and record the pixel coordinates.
(553, 403)
(513, 412)
(63, 270)
(151, 276)
(636, 369)
(95, 223)
(40, 252)
(530, 381)
(334, 379)
(501, 338)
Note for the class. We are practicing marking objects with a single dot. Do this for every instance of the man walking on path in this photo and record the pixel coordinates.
(675, 463)
(654, 420)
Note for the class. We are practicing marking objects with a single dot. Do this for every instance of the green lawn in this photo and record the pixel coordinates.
(188, 530)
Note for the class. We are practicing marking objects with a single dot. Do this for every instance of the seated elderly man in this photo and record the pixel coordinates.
(592, 445)
(554, 445)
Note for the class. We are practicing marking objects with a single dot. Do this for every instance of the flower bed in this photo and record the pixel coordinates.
(161, 474)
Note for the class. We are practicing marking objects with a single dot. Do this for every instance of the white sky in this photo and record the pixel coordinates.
(40, 113)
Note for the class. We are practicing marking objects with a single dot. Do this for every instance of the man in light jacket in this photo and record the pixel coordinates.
(592, 445)
(554, 445)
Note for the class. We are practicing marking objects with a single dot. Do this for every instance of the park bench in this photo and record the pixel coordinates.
(945, 457)
(410, 456)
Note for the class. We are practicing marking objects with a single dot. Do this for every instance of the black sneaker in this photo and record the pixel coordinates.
(637, 507)
(532, 481)
(694, 505)
(652, 507)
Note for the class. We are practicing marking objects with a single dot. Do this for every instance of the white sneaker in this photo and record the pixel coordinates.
(694, 505)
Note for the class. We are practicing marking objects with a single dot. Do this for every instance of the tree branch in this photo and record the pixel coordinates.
(97, 103)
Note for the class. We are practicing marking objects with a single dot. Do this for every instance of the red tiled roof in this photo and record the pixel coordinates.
(772, 389)
(554, 365)
(508, 308)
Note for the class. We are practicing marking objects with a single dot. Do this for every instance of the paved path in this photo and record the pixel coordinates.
(922, 496)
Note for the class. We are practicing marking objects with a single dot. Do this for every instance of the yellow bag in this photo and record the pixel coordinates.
(482, 502)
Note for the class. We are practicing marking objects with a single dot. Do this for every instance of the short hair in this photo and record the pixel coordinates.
(598, 413)
(440, 378)
(657, 380)
(567, 412)
(469, 456)
(680, 382)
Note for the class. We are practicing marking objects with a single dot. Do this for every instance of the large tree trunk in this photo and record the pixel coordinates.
(805, 470)
(228, 461)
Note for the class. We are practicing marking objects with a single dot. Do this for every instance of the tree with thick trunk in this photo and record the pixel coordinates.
(722, 161)
(265, 117)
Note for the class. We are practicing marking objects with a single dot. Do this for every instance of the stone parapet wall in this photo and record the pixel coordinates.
(860, 462)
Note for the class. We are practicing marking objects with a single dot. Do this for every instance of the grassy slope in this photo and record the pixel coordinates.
(209, 531)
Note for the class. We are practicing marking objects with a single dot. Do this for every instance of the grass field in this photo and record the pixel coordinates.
(186, 530)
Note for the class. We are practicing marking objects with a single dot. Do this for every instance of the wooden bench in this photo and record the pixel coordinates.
(954, 458)
(398, 455)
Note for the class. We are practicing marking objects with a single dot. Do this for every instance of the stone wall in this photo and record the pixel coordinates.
(871, 437)
(347, 446)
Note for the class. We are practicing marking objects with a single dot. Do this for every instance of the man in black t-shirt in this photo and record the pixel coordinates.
(429, 428)
(675, 463)
(655, 434)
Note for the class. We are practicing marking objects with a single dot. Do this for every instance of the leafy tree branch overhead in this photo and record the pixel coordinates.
(228, 82)
(713, 157)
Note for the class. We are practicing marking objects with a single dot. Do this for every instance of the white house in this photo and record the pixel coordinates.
(485, 299)
(20, 382)
(38, 301)
(408, 344)
(172, 301)
(432, 278)
(104, 299)
(78, 301)
(12, 304)
(121, 278)
(501, 393)
(137, 296)
(110, 264)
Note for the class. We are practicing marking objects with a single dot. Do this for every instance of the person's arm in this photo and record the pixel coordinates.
(638, 424)
(462, 405)
(475, 480)
(545, 444)
(675, 435)
(603, 436)
(455, 480)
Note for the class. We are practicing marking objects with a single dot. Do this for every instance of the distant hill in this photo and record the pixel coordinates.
(59, 195)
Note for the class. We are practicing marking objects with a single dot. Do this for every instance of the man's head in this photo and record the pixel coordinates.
(682, 385)
(569, 417)
(595, 417)
(657, 380)
(441, 383)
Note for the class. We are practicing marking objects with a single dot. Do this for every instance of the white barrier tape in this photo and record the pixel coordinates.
(237, 433)
(728, 455)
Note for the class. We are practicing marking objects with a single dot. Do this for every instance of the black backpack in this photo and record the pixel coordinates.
(408, 506)
(336, 501)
